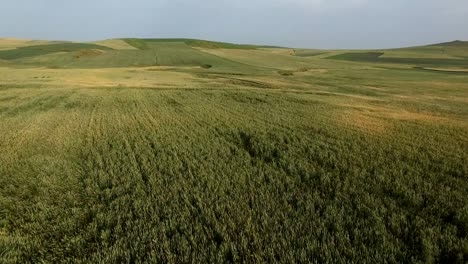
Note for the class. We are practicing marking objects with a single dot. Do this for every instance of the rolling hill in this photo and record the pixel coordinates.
(192, 151)
(153, 52)
(214, 56)
(449, 54)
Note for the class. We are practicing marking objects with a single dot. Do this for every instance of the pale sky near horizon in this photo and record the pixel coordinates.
(331, 24)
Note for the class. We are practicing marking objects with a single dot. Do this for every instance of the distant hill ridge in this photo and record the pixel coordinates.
(142, 42)
(452, 43)
(212, 55)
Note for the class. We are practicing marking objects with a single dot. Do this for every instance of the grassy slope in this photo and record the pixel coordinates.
(38, 50)
(345, 162)
(377, 57)
(116, 44)
(155, 54)
(260, 58)
(453, 54)
(308, 52)
(12, 43)
(144, 43)
(455, 49)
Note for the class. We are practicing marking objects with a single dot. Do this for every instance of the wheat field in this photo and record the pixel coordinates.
(208, 152)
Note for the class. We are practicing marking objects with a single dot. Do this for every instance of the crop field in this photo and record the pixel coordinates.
(181, 151)
(446, 54)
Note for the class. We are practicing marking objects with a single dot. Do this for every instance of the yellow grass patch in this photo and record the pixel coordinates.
(115, 44)
(374, 88)
(379, 119)
(413, 116)
(105, 77)
(13, 43)
(280, 51)
(364, 122)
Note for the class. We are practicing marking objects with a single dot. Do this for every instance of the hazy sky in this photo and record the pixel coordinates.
(294, 23)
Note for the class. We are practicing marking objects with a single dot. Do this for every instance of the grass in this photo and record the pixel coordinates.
(308, 53)
(156, 54)
(38, 50)
(452, 54)
(116, 44)
(143, 43)
(454, 49)
(376, 57)
(339, 162)
(261, 58)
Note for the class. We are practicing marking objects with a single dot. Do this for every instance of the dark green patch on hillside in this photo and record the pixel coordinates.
(39, 50)
(455, 72)
(150, 54)
(454, 49)
(456, 43)
(376, 57)
(358, 56)
(137, 43)
(308, 53)
(217, 45)
(143, 43)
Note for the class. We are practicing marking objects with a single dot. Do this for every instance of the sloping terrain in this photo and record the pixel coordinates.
(95, 56)
(39, 50)
(187, 151)
(378, 58)
(260, 58)
(13, 43)
(146, 43)
(219, 56)
(117, 44)
(454, 49)
(452, 54)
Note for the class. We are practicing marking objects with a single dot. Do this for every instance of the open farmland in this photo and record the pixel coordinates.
(177, 150)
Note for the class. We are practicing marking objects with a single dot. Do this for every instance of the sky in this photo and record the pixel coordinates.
(326, 24)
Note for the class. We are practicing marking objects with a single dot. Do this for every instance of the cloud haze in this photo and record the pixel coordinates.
(297, 23)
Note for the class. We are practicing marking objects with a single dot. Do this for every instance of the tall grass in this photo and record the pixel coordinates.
(38, 50)
(349, 163)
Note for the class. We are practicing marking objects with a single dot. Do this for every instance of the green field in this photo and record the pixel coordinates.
(453, 54)
(176, 151)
